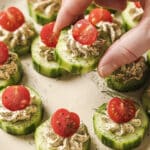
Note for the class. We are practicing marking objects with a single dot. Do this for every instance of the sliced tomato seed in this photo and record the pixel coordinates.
(84, 32)
(48, 37)
(65, 123)
(99, 14)
(4, 54)
(11, 19)
(121, 110)
(16, 97)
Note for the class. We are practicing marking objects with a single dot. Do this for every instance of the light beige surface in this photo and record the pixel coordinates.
(81, 94)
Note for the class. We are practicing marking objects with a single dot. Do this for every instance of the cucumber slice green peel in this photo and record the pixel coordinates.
(41, 143)
(75, 65)
(148, 57)
(15, 78)
(129, 86)
(39, 17)
(146, 99)
(125, 142)
(127, 17)
(41, 65)
(119, 84)
(26, 126)
(23, 50)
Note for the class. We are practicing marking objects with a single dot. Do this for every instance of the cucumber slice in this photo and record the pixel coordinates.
(75, 65)
(22, 50)
(119, 19)
(127, 17)
(148, 57)
(28, 126)
(41, 143)
(145, 99)
(15, 77)
(124, 142)
(117, 83)
(41, 65)
(39, 17)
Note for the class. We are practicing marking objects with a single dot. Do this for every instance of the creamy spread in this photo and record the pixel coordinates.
(19, 37)
(19, 115)
(112, 29)
(9, 67)
(75, 142)
(122, 128)
(46, 52)
(78, 49)
(131, 71)
(136, 13)
(48, 7)
(107, 33)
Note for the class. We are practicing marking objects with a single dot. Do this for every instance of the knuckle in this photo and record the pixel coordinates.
(127, 55)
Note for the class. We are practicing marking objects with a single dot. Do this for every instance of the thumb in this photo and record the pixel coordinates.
(127, 49)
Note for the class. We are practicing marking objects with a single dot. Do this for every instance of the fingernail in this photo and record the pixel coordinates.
(55, 30)
(107, 69)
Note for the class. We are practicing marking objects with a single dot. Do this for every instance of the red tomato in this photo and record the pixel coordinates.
(99, 14)
(16, 97)
(121, 110)
(11, 19)
(47, 35)
(84, 32)
(65, 123)
(3, 53)
(137, 4)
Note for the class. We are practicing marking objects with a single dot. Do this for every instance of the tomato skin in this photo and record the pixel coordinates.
(3, 53)
(121, 110)
(84, 32)
(137, 4)
(16, 97)
(65, 123)
(11, 19)
(99, 14)
(48, 37)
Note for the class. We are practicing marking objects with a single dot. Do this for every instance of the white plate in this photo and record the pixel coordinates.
(81, 94)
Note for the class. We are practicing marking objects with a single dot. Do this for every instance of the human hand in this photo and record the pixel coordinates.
(125, 50)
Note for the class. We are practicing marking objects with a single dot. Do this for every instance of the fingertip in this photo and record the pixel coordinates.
(69, 12)
(106, 69)
(56, 30)
(59, 24)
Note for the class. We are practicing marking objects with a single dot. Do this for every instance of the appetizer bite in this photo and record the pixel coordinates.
(132, 14)
(42, 51)
(15, 31)
(20, 110)
(62, 131)
(146, 99)
(129, 77)
(43, 11)
(120, 124)
(80, 48)
(10, 67)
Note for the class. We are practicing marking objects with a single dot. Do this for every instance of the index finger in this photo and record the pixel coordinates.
(69, 11)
